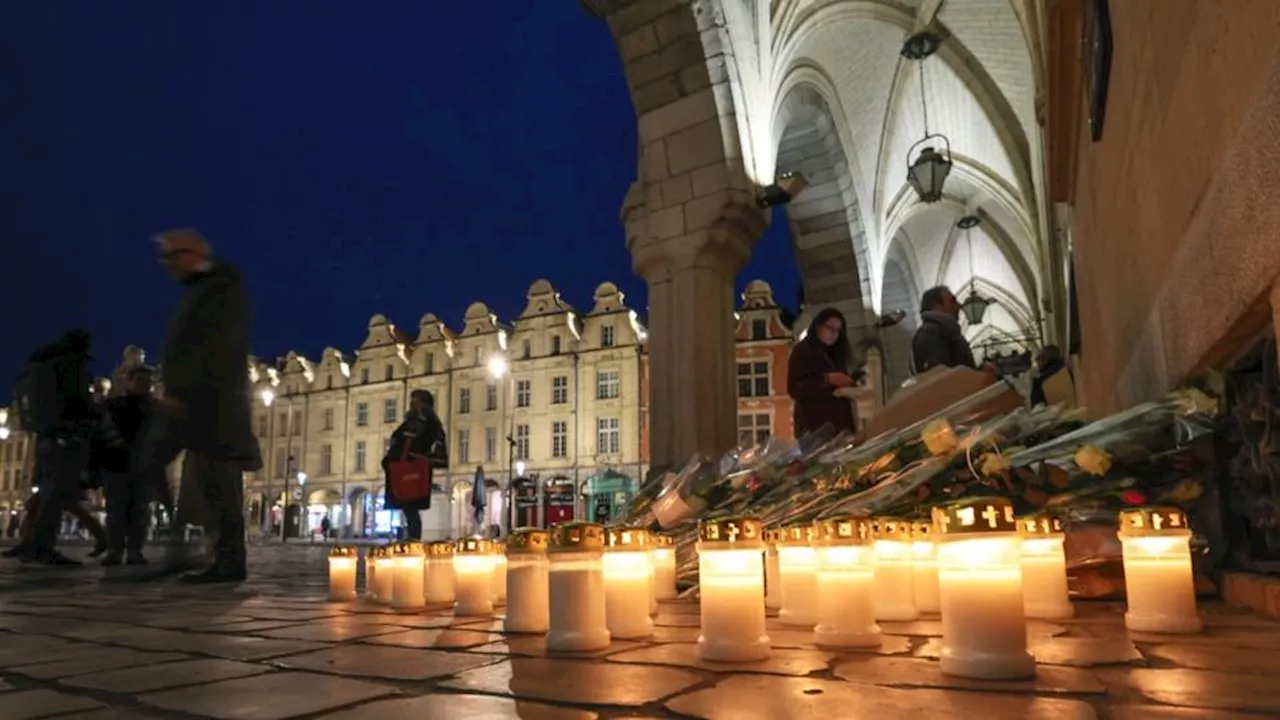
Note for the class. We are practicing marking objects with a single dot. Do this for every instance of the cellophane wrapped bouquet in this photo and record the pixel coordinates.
(1042, 459)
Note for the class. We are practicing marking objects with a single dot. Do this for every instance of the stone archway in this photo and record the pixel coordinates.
(899, 291)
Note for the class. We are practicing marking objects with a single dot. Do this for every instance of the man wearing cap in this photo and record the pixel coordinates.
(205, 409)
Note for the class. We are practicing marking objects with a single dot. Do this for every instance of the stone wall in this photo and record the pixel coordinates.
(1177, 224)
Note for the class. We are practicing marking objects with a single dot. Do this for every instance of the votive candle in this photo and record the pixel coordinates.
(894, 570)
(576, 588)
(924, 567)
(407, 572)
(798, 572)
(627, 581)
(342, 573)
(731, 579)
(664, 568)
(1044, 568)
(1158, 579)
(473, 577)
(384, 569)
(984, 631)
(499, 573)
(438, 577)
(772, 573)
(528, 601)
(846, 596)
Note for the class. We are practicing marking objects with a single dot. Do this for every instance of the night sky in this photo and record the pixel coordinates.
(351, 157)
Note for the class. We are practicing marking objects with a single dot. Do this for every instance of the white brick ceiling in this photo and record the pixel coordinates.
(980, 91)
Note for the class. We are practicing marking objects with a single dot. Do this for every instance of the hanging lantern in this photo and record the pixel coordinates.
(927, 173)
(975, 305)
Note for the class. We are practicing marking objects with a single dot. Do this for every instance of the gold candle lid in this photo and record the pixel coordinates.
(576, 537)
(500, 547)
(772, 536)
(408, 549)
(1148, 521)
(343, 551)
(975, 515)
(663, 541)
(439, 548)
(628, 538)
(473, 546)
(923, 530)
(891, 528)
(843, 530)
(796, 534)
(527, 540)
(746, 531)
(1039, 525)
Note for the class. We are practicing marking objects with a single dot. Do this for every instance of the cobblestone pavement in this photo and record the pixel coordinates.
(72, 645)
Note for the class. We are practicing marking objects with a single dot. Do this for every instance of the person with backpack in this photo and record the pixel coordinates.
(52, 399)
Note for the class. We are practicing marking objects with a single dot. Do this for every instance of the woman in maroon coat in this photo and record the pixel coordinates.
(819, 366)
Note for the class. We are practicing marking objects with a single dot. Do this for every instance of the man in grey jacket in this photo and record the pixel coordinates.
(205, 409)
(939, 341)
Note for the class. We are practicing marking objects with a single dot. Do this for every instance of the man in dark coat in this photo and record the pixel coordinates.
(129, 496)
(939, 341)
(205, 409)
(424, 433)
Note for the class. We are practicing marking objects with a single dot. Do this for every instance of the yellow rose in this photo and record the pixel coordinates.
(1093, 460)
(939, 437)
(992, 463)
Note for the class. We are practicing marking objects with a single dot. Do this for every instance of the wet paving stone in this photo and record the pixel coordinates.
(334, 630)
(575, 681)
(440, 638)
(1156, 712)
(766, 697)
(1206, 689)
(536, 646)
(248, 626)
(25, 704)
(235, 647)
(168, 675)
(1075, 652)
(781, 661)
(933, 628)
(912, 672)
(392, 663)
(268, 697)
(450, 706)
(494, 625)
(94, 661)
(1224, 659)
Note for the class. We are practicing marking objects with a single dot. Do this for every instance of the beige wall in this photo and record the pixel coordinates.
(1176, 221)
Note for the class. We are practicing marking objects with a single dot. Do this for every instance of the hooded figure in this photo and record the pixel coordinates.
(478, 492)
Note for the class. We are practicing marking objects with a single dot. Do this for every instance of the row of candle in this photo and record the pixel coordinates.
(984, 570)
(573, 583)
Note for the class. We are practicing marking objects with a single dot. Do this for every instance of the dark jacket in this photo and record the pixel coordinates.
(425, 436)
(807, 385)
(940, 342)
(205, 367)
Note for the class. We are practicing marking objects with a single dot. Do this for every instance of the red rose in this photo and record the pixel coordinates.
(1133, 497)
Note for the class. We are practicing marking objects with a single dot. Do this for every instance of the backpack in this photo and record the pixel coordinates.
(36, 397)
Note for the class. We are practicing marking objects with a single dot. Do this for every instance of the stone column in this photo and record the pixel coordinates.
(693, 392)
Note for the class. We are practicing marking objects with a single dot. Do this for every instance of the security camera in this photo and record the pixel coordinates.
(787, 187)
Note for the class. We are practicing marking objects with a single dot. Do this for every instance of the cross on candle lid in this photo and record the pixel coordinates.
(843, 531)
(975, 515)
(577, 537)
(1144, 521)
(1040, 525)
(473, 546)
(439, 548)
(627, 538)
(744, 531)
(923, 530)
(527, 540)
(661, 540)
(796, 534)
(408, 549)
(343, 551)
(889, 528)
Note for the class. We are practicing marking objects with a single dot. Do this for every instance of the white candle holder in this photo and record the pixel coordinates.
(576, 588)
(499, 573)
(1044, 568)
(473, 577)
(664, 568)
(1158, 579)
(731, 580)
(846, 572)
(924, 567)
(384, 575)
(772, 570)
(407, 572)
(528, 601)
(984, 631)
(798, 573)
(628, 583)
(894, 567)
(438, 584)
(342, 573)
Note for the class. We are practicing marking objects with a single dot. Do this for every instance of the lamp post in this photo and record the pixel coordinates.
(267, 396)
(302, 494)
(499, 369)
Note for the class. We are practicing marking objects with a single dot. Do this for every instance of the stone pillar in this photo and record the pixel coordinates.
(693, 393)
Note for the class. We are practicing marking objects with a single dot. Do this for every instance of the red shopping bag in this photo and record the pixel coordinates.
(410, 476)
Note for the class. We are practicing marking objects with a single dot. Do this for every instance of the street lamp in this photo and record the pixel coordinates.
(519, 468)
(4, 432)
(499, 369)
(268, 396)
(302, 496)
